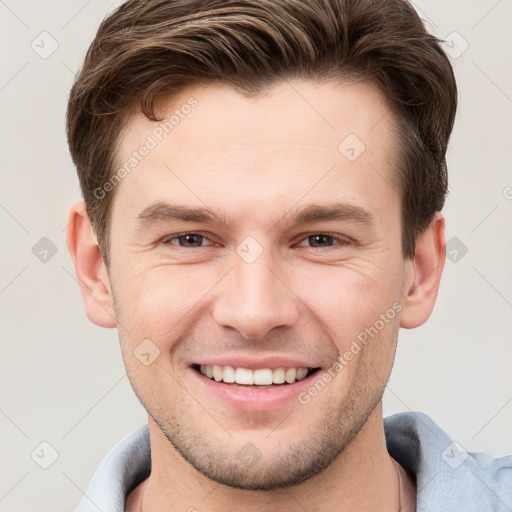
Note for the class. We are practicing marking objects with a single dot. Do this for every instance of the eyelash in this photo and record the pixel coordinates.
(340, 239)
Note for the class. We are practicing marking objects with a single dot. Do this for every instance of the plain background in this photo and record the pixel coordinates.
(62, 378)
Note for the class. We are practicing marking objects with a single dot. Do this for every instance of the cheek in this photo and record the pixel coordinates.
(349, 299)
(163, 302)
(155, 302)
(358, 308)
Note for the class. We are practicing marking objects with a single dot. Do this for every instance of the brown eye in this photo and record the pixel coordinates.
(321, 240)
(186, 240)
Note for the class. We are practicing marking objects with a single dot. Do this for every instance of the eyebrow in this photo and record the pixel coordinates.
(161, 212)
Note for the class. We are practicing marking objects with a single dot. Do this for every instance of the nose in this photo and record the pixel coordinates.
(254, 298)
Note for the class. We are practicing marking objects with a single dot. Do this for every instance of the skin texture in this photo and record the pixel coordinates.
(254, 161)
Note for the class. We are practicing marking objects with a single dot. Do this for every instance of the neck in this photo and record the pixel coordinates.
(362, 477)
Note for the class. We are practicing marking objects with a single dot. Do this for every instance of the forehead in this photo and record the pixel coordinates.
(297, 141)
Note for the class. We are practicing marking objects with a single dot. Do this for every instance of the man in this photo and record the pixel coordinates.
(262, 187)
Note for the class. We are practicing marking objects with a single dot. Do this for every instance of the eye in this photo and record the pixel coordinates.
(186, 240)
(320, 240)
(195, 240)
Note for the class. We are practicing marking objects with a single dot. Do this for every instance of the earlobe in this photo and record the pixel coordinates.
(89, 267)
(425, 269)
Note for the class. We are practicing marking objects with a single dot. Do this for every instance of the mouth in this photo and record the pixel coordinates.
(260, 378)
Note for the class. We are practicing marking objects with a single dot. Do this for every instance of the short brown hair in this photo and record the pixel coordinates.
(150, 47)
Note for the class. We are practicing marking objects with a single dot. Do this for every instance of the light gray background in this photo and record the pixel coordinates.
(62, 378)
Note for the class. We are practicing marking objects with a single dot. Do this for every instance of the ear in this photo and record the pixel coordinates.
(90, 268)
(424, 274)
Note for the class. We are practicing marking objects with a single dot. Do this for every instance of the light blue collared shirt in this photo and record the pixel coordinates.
(447, 479)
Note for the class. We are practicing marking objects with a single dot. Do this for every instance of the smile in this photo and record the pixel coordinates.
(259, 378)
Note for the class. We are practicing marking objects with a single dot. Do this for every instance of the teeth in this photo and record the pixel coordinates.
(263, 377)
(244, 376)
(229, 374)
(259, 377)
(217, 373)
(290, 375)
(301, 373)
(278, 376)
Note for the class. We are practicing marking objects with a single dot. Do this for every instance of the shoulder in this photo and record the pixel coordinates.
(448, 477)
(123, 468)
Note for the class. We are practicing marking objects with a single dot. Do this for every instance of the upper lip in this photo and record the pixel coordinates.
(252, 363)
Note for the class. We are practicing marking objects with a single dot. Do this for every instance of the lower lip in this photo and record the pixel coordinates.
(252, 398)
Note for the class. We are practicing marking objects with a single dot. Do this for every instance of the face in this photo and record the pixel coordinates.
(299, 258)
